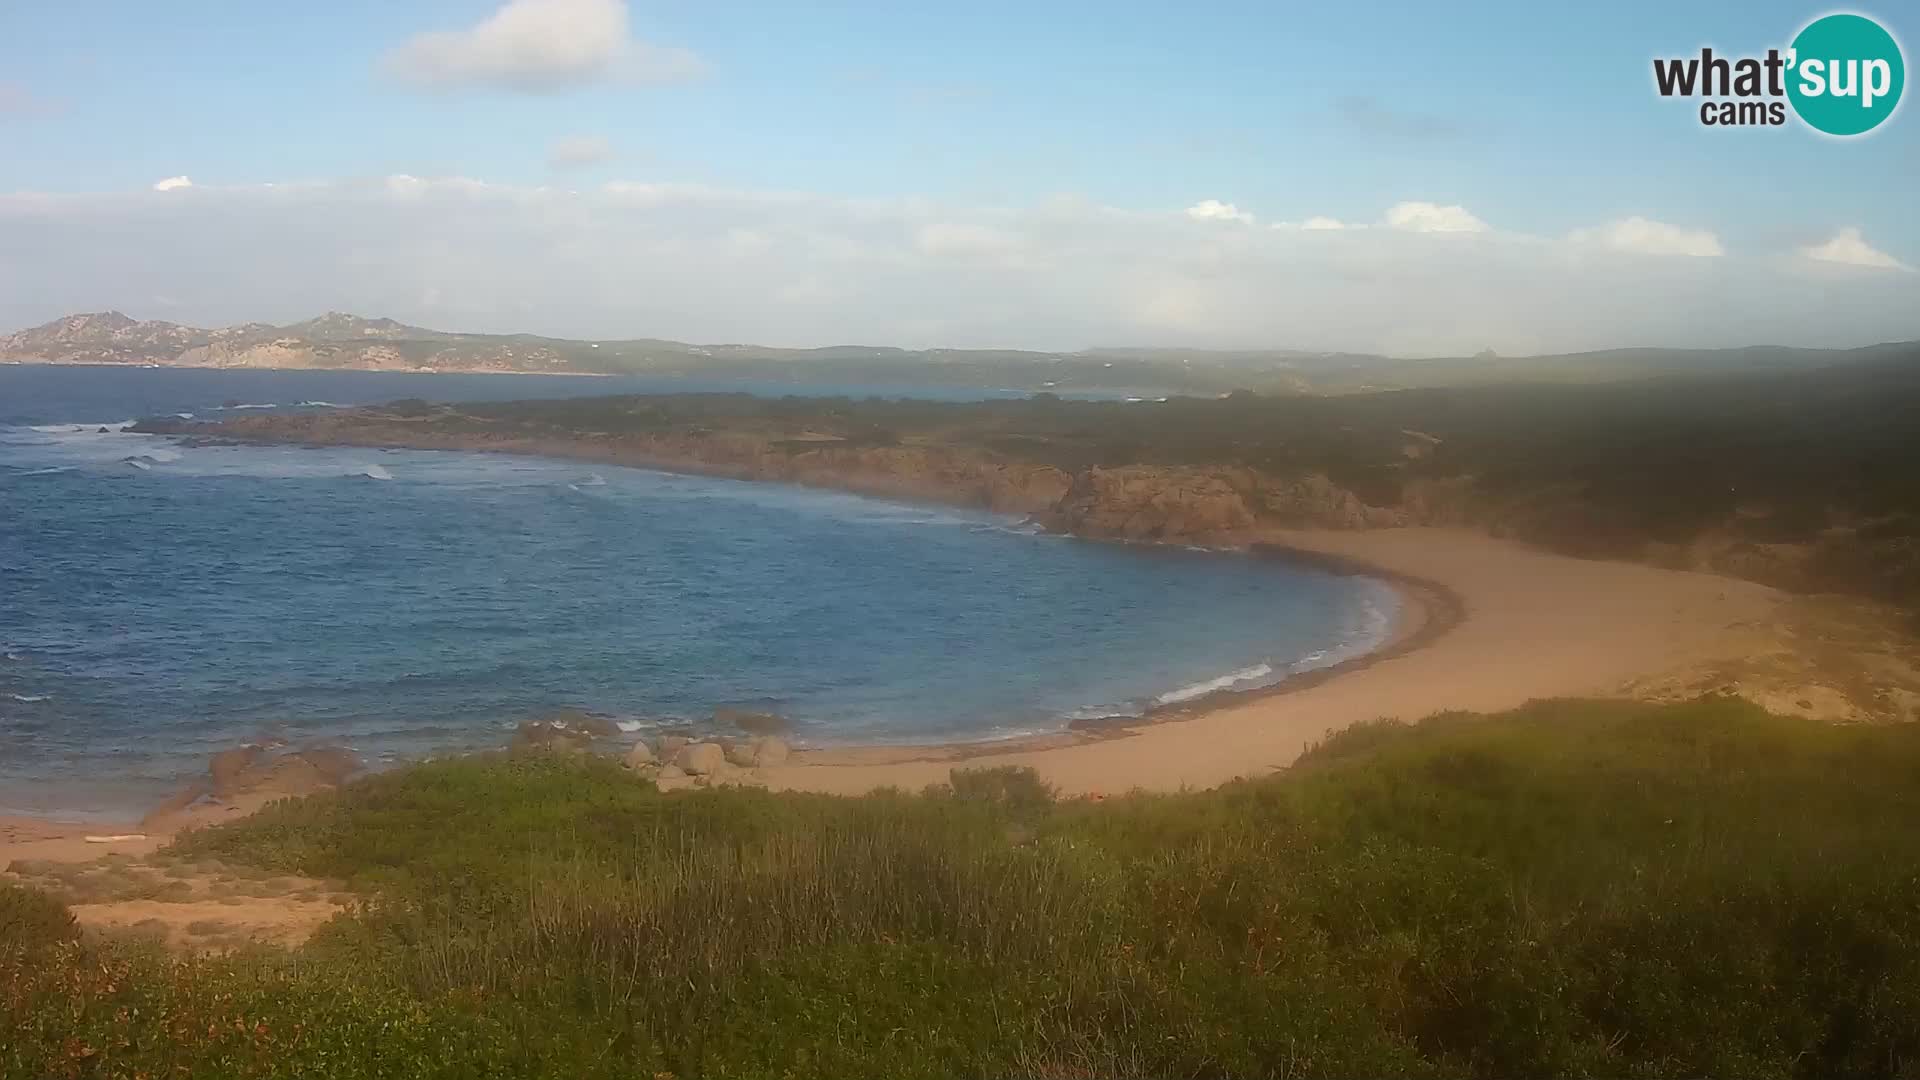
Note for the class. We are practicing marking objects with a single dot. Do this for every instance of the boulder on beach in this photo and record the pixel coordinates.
(671, 745)
(701, 759)
(753, 723)
(770, 752)
(638, 757)
(763, 752)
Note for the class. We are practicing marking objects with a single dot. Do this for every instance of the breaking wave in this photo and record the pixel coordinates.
(1257, 674)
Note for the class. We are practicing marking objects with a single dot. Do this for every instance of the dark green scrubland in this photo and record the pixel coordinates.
(1574, 888)
(1806, 480)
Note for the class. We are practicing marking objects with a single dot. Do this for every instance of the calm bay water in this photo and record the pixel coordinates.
(161, 602)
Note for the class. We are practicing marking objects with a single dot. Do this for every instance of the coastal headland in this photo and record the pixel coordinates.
(1487, 622)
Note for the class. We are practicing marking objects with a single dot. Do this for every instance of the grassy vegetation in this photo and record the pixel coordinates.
(1571, 889)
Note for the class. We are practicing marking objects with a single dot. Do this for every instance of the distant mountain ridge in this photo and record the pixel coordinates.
(344, 341)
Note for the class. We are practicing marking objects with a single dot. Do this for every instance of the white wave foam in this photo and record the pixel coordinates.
(160, 453)
(224, 408)
(375, 472)
(140, 463)
(630, 726)
(303, 405)
(1224, 682)
(184, 415)
(45, 471)
(80, 429)
(28, 699)
(1100, 712)
(1372, 627)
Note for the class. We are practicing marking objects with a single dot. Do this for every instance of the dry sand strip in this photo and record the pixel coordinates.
(1532, 625)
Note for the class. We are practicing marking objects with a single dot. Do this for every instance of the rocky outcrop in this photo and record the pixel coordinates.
(225, 769)
(1201, 505)
(753, 723)
(770, 752)
(247, 777)
(764, 752)
(1144, 502)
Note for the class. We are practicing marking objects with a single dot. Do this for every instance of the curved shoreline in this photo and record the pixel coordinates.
(1143, 752)
(1500, 625)
(1428, 610)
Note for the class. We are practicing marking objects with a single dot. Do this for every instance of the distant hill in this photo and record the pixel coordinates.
(344, 341)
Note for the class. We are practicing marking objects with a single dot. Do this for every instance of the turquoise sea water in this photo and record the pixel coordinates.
(161, 602)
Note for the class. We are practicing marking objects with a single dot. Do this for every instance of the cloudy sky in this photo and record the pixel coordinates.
(1408, 178)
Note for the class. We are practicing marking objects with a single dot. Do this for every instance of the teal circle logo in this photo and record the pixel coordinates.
(1845, 74)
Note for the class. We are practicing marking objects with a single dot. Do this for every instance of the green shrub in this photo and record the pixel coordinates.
(1017, 788)
(1572, 888)
(31, 920)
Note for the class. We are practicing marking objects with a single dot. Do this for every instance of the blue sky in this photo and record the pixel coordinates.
(1537, 121)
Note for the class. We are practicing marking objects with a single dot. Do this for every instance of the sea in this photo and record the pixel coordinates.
(160, 602)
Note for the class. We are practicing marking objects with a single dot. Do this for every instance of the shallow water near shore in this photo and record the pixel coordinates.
(164, 601)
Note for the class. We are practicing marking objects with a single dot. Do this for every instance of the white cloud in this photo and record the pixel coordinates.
(709, 264)
(173, 183)
(1426, 217)
(578, 151)
(748, 241)
(539, 46)
(1317, 223)
(964, 239)
(1215, 210)
(1639, 236)
(1849, 247)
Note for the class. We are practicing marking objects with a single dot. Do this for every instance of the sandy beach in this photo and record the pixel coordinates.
(1521, 624)
(1532, 625)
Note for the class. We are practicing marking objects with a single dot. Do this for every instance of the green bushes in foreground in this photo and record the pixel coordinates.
(1574, 888)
